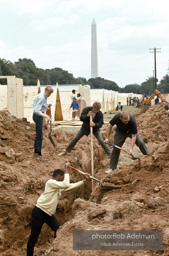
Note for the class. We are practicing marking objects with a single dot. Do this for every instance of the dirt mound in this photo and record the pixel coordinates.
(153, 124)
(144, 183)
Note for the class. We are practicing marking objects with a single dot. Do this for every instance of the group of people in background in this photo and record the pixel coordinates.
(77, 105)
(135, 101)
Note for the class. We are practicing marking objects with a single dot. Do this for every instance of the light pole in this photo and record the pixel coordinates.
(155, 50)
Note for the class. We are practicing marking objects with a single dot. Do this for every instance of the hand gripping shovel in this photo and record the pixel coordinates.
(93, 178)
(115, 146)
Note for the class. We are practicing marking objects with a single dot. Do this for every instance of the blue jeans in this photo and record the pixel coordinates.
(39, 132)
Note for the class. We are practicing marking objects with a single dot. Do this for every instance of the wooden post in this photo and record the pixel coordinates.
(92, 162)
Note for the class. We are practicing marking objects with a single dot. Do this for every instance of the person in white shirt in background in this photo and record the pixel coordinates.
(73, 95)
(119, 107)
(82, 104)
(39, 107)
(47, 203)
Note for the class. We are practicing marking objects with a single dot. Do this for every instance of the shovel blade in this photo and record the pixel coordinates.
(104, 187)
(51, 140)
(135, 157)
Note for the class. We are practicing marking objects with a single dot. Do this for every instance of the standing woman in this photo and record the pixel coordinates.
(39, 107)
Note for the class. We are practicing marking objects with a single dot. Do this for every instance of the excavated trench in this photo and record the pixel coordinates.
(23, 179)
(17, 216)
(144, 184)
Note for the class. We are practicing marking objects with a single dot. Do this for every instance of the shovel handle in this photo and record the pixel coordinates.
(50, 126)
(71, 167)
(91, 177)
(115, 146)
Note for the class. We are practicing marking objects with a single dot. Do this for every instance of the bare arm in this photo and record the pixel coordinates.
(133, 141)
(109, 128)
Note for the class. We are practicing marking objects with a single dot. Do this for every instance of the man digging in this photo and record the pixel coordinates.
(97, 123)
(126, 127)
(46, 205)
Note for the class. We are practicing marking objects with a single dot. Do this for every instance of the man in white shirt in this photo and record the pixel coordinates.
(39, 107)
(46, 205)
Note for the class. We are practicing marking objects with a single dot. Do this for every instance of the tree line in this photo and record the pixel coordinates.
(27, 70)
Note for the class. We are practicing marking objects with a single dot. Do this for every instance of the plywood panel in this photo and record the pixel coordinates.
(20, 105)
(11, 95)
(3, 96)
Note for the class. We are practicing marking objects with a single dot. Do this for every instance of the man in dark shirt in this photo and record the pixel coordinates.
(126, 127)
(96, 123)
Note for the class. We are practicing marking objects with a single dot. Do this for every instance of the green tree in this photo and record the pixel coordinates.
(43, 76)
(6, 69)
(27, 70)
(147, 87)
(60, 76)
(164, 84)
(135, 88)
(81, 80)
(102, 83)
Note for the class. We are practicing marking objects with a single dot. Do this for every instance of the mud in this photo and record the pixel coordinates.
(141, 204)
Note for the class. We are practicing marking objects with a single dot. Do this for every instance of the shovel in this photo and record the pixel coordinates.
(93, 178)
(50, 136)
(115, 146)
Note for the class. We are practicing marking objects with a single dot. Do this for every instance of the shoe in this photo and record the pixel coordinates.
(109, 171)
(63, 153)
(35, 155)
(42, 158)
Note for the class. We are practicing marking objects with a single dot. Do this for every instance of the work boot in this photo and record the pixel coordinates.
(63, 153)
(109, 171)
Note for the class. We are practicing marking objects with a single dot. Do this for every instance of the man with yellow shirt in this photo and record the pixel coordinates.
(46, 205)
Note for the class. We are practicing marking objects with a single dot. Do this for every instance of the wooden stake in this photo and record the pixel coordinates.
(58, 108)
(92, 162)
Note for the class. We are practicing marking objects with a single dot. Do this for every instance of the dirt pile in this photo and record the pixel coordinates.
(141, 203)
(23, 178)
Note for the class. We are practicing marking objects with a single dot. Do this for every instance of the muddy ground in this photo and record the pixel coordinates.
(142, 203)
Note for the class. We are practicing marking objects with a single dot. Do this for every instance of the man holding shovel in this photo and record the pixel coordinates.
(46, 205)
(125, 127)
(39, 107)
(97, 123)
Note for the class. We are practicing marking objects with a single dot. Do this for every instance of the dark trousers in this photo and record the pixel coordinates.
(38, 219)
(39, 133)
(98, 136)
(119, 140)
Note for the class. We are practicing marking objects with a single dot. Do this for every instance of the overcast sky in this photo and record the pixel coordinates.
(57, 33)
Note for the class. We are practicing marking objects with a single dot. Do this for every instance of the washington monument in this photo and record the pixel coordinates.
(94, 67)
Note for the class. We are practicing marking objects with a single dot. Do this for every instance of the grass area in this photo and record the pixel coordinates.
(108, 116)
